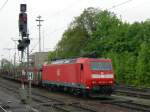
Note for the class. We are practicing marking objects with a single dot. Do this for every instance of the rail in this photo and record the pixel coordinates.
(46, 102)
(3, 109)
(132, 91)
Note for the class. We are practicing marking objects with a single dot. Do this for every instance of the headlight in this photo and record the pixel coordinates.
(102, 76)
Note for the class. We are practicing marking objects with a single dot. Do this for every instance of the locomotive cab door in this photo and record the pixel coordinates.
(81, 73)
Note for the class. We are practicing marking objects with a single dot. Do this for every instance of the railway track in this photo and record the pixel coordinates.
(133, 92)
(59, 104)
(125, 103)
(134, 106)
(44, 101)
(144, 95)
(133, 88)
(2, 109)
(128, 104)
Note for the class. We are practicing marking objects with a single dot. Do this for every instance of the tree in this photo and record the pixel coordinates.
(143, 65)
(103, 34)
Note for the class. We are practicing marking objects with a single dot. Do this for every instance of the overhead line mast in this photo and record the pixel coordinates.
(39, 25)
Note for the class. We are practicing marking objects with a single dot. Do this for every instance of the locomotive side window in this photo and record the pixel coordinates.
(81, 67)
(101, 65)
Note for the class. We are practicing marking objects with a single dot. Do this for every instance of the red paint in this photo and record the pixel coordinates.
(72, 73)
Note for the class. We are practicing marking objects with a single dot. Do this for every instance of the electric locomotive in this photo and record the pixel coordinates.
(86, 76)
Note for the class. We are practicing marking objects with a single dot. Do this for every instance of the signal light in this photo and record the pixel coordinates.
(20, 46)
(26, 41)
(23, 7)
(23, 44)
(23, 24)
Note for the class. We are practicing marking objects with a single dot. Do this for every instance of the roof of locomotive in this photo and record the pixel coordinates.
(80, 60)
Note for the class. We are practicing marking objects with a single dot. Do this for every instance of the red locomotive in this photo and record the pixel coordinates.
(85, 76)
(80, 76)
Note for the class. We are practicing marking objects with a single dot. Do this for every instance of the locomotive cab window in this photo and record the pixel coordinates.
(101, 65)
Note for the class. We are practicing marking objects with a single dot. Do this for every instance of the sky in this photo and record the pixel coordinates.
(57, 15)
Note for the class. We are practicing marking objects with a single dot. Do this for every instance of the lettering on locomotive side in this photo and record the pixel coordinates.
(102, 76)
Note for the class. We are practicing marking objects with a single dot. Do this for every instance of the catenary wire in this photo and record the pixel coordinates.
(120, 4)
(1, 8)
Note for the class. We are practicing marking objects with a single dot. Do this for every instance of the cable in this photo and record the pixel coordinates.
(114, 6)
(1, 8)
(59, 12)
(34, 47)
(56, 30)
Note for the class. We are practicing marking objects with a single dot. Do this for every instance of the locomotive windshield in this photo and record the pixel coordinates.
(101, 65)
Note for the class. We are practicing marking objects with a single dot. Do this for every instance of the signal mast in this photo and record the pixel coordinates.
(22, 46)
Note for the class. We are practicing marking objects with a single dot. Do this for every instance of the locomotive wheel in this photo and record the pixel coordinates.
(76, 92)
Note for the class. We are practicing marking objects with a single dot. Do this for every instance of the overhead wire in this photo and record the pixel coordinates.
(1, 8)
(114, 6)
(54, 14)
(120, 4)
(59, 12)
(33, 48)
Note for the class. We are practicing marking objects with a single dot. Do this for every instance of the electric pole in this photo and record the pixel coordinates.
(9, 52)
(15, 41)
(39, 25)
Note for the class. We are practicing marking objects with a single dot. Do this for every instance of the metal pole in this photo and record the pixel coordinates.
(15, 60)
(22, 80)
(39, 25)
(39, 35)
(43, 40)
(15, 40)
(28, 67)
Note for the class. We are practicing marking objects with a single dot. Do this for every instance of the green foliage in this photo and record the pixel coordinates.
(103, 33)
(52, 55)
(143, 65)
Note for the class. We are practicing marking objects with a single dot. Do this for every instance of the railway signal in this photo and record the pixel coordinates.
(23, 24)
(23, 21)
(23, 7)
(20, 46)
(23, 44)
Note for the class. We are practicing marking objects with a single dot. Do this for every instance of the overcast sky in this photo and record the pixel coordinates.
(57, 15)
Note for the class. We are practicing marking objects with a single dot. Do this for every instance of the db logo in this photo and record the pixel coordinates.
(58, 72)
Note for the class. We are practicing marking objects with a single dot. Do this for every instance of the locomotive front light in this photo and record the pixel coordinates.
(87, 87)
(95, 76)
(110, 81)
(93, 82)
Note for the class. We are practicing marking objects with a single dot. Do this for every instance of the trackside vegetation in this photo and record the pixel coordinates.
(102, 32)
